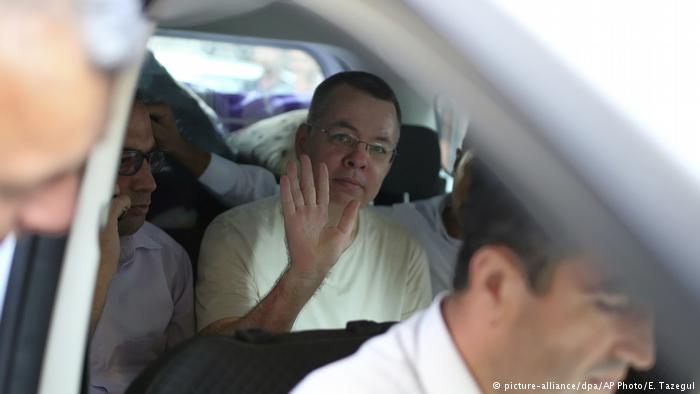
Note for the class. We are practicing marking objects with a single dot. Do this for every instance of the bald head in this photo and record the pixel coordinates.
(53, 103)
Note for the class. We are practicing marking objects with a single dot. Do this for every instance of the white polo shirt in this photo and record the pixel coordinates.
(382, 276)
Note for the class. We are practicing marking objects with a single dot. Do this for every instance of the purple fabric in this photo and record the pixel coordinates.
(253, 106)
(148, 310)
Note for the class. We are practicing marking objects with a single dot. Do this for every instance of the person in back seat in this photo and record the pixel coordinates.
(529, 313)
(143, 302)
(45, 138)
(435, 222)
(231, 183)
(340, 265)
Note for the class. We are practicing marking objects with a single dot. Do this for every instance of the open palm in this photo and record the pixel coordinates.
(314, 244)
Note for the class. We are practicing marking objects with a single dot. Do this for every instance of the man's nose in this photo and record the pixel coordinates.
(357, 157)
(637, 344)
(143, 180)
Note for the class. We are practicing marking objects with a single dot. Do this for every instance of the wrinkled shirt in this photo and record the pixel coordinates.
(382, 276)
(149, 309)
(423, 219)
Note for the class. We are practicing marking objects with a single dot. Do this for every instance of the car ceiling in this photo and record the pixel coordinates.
(188, 13)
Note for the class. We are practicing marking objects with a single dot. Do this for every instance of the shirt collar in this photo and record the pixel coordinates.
(440, 366)
(141, 239)
(7, 251)
(144, 238)
(7, 247)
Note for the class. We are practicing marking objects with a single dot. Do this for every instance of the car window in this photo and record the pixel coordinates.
(640, 56)
(242, 81)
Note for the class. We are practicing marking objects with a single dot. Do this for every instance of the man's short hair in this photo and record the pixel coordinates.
(361, 80)
(140, 95)
(493, 216)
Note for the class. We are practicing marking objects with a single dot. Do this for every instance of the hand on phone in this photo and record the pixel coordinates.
(120, 204)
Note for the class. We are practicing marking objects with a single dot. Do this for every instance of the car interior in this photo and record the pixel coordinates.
(239, 75)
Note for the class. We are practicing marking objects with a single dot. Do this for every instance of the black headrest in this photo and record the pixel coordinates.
(415, 169)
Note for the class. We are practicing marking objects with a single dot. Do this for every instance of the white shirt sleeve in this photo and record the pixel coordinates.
(235, 184)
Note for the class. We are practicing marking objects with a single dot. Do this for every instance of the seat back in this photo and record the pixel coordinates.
(252, 361)
(416, 168)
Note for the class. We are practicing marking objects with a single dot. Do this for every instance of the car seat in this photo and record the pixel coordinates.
(416, 168)
(252, 361)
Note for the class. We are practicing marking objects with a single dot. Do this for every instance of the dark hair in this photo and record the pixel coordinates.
(139, 96)
(361, 80)
(491, 215)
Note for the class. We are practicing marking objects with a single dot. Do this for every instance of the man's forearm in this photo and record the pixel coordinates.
(193, 158)
(277, 311)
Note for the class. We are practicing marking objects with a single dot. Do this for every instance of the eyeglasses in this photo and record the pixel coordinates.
(132, 161)
(376, 151)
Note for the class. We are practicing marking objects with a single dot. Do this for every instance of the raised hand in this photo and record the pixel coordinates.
(314, 244)
(170, 141)
(164, 127)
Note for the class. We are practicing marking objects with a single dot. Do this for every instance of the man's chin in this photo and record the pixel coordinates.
(130, 224)
(343, 199)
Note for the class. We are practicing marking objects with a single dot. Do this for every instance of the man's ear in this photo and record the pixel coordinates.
(300, 140)
(497, 281)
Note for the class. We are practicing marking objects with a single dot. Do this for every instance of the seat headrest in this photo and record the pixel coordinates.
(416, 168)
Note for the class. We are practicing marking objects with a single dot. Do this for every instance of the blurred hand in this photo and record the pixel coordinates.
(314, 245)
(164, 127)
(170, 141)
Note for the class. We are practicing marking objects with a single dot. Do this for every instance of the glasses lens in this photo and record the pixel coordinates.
(130, 163)
(342, 139)
(377, 150)
(156, 160)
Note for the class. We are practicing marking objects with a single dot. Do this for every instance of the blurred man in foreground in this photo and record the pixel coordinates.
(527, 314)
(44, 137)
